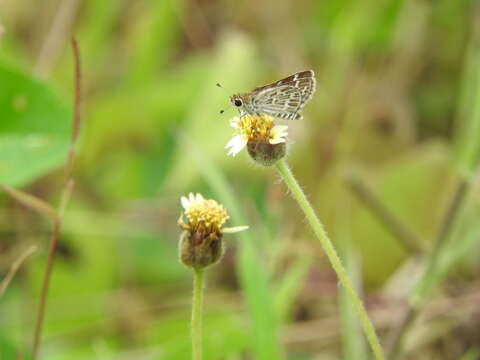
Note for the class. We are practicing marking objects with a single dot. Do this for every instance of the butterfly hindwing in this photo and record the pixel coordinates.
(281, 101)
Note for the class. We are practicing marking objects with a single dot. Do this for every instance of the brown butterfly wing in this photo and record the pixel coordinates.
(285, 97)
(281, 102)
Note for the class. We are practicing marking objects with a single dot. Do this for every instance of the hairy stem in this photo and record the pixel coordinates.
(197, 305)
(332, 256)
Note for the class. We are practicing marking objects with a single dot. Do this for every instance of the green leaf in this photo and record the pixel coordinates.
(7, 349)
(289, 286)
(34, 128)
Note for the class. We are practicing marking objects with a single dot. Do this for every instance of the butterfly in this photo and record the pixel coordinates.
(281, 99)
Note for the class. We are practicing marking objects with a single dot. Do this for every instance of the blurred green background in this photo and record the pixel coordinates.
(397, 111)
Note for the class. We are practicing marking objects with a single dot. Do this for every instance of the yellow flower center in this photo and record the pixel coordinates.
(256, 128)
(206, 215)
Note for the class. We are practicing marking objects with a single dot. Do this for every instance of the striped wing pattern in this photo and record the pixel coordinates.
(286, 97)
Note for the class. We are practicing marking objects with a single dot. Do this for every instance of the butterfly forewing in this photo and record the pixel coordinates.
(280, 101)
(284, 98)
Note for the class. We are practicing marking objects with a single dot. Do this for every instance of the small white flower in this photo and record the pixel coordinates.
(205, 214)
(254, 128)
(201, 242)
(236, 144)
(278, 134)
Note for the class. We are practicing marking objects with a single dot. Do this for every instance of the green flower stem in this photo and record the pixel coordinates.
(197, 305)
(329, 249)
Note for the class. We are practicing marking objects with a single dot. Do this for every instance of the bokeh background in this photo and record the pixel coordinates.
(392, 133)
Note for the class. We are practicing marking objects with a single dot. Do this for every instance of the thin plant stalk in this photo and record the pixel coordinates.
(65, 196)
(45, 286)
(56, 37)
(419, 298)
(14, 268)
(332, 256)
(406, 237)
(197, 306)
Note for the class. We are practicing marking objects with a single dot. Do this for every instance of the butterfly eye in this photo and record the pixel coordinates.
(237, 102)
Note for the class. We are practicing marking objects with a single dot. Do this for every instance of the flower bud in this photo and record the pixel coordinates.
(201, 242)
(266, 154)
(265, 141)
(199, 250)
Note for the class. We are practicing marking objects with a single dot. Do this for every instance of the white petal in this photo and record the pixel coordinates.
(277, 140)
(185, 202)
(232, 141)
(191, 197)
(199, 197)
(234, 122)
(236, 144)
(231, 230)
(280, 128)
(235, 151)
(278, 132)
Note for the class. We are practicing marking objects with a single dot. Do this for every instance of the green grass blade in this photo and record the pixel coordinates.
(468, 137)
(290, 285)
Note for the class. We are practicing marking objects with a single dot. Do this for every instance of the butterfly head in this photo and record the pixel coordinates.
(238, 100)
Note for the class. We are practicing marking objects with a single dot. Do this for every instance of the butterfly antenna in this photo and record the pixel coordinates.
(221, 87)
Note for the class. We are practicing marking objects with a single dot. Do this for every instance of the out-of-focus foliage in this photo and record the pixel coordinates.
(396, 105)
(35, 130)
